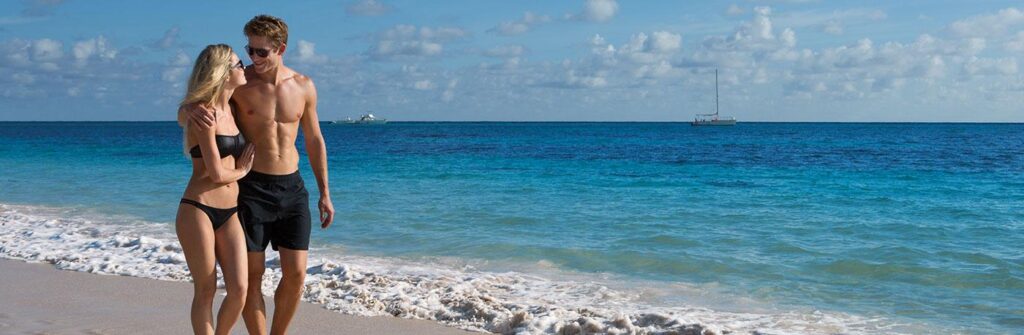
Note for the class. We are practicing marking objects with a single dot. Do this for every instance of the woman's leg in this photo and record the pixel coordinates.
(231, 255)
(195, 233)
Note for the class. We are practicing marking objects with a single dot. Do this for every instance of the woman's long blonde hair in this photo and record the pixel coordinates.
(206, 83)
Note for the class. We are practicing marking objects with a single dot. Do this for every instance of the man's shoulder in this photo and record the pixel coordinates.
(302, 79)
(304, 83)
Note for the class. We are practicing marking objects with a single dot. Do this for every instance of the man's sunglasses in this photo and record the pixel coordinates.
(257, 51)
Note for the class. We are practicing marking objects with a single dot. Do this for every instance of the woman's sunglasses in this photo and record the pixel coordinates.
(239, 65)
(257, 51)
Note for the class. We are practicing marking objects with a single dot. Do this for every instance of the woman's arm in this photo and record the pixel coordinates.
(207, 140)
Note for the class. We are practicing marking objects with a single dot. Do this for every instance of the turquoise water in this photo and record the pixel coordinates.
(918, 222)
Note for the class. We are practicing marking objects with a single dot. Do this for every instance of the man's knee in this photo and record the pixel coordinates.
(256, 269)
(293, 273)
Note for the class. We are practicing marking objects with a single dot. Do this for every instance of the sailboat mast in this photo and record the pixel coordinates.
(716, 92)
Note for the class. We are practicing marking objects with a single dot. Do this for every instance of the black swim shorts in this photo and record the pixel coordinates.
(274, 209)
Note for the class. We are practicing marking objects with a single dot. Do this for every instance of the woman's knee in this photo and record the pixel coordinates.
(205, 288)
(237, 289)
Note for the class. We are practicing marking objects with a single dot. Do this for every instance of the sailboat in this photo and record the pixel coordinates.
(713, 119)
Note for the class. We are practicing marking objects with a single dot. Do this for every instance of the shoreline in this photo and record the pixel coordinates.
(463, 298)
(39, 298)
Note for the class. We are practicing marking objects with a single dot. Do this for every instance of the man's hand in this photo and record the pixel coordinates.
(326, 212)
(201, 117)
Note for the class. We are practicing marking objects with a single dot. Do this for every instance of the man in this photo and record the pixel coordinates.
(273, 203)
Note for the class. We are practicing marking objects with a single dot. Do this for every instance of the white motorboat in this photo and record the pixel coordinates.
(365, 119)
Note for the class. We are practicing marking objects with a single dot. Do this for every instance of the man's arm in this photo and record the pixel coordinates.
(195, 114)
(317, 152)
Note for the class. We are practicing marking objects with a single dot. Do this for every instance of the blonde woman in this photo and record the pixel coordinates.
(207, 223)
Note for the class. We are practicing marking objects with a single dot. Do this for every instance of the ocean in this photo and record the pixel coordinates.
(780, 228)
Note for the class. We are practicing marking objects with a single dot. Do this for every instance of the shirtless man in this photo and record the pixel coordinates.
(273, 204)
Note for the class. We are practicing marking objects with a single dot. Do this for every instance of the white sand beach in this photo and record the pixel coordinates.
(39, 299)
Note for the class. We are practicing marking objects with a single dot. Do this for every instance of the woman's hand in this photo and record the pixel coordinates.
(244, 162)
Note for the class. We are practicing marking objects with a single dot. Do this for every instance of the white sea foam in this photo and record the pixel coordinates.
(507, 303)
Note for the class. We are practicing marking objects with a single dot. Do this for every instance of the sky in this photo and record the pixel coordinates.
(571, 60)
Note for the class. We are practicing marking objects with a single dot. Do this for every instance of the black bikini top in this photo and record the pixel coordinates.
(226, 144)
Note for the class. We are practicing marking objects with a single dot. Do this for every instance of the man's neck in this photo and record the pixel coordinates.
(275, 76)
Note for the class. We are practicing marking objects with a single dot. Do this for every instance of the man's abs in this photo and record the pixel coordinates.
(276, 162)
(276, 153)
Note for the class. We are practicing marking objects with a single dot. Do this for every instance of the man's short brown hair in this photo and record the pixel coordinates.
(268, 26)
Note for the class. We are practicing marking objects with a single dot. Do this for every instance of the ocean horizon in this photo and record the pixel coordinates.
(772, 227)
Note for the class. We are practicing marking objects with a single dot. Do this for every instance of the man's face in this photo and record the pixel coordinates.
(260, 44)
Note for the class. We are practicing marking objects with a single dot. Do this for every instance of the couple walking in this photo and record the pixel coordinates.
(240, 127)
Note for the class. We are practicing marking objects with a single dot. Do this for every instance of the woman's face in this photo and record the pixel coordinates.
(236, 76)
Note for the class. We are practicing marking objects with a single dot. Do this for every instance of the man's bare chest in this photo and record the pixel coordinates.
(281, 104)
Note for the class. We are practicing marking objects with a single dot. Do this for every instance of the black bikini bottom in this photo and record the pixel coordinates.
(218, 216)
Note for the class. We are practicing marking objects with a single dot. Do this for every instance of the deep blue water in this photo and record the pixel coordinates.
(923, 222)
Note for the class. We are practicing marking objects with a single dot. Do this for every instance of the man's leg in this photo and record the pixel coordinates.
(289, 291)
(255, 312)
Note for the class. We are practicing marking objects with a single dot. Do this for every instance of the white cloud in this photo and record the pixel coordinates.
(49, 67)
(735, 10)
(181, 59)
(505, 51)
(176, 69)
(423, 85)
(95, 47)
(23, 78)
(642, 48)
(169, 40)
(406, 48)
(663, 41)
(599, 10)
(989, 25)
(788, 38)
(659, 70)
(832, 27)
(449, 93)
(1016, 44)
(928, 44)
(521, 26)
(306, 53)
(410, 41)
(510, 28)
(584, 81)
(44, 54)
(647, 70)
(16, 52)
(761, 26)
(982, 66)
(173, 74)
(757, 34)
(47, 50)
(828, 20)
(368, 8)
(410, 32)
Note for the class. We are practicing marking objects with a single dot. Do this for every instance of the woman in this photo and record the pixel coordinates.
(207, 222)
